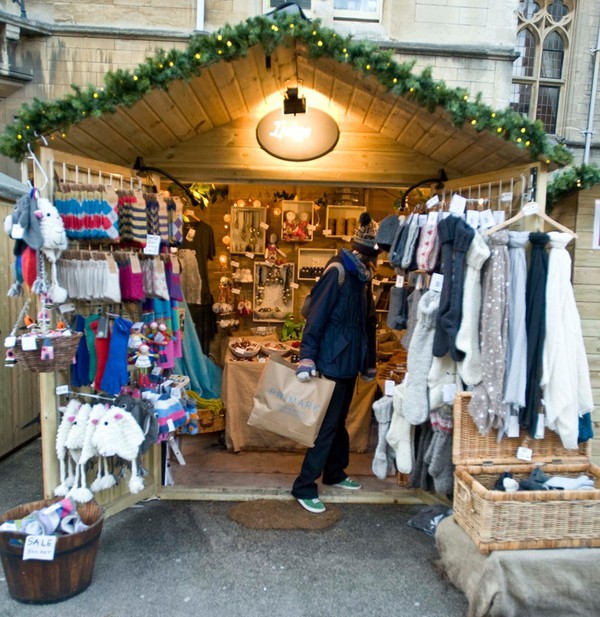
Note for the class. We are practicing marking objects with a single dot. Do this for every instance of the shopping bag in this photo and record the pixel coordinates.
(288, 407)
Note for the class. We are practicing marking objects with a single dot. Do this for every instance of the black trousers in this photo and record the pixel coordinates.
(331, 453)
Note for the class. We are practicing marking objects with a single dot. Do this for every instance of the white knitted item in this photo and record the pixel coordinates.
(399, 435)
(443, 372)
(382, 410)
(420, 357)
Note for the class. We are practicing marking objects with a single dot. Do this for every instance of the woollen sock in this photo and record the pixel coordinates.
(101, 346)
(382, 409)
(570, 484)
(399, 436)
(117, 375)
(398, 310)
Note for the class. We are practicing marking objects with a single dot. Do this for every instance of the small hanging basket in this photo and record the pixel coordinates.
(64, 347)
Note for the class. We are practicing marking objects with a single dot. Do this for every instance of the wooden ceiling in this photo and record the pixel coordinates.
(204, 129)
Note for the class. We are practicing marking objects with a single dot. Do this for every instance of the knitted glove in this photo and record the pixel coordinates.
(369, 375)
(306, 369)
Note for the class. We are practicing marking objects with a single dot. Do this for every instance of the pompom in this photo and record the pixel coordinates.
(364, 219)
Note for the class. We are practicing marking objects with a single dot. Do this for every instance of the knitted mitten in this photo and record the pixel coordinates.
(382, 409)
(416, 404)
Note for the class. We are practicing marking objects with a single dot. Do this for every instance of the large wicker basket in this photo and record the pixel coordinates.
(65, 348)
(496, 520)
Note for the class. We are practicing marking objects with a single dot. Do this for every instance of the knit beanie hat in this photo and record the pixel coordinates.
(364, 238)
(387, 231)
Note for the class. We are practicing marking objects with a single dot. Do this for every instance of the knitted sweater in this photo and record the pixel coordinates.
(467, 339)
(565, 378)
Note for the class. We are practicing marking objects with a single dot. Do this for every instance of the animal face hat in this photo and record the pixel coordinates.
(55, 242)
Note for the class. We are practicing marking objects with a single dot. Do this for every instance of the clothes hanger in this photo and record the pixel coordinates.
(532, 208)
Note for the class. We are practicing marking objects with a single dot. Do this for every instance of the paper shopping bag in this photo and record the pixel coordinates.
(287, 407)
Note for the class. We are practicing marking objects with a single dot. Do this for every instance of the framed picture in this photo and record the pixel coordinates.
(297, 221)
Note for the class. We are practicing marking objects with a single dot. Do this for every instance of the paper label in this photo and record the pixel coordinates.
(157, 371)
(512, 426)
(388, 388)
(68, 307)
(152, 245)
(39, 547)
(327, 232)
(294, 285)
(458, 204)
(524, 454)
(432, 218)
(234, 264)
(60, 390)
(170, 425)
(449, 391)
(486, 219)
(136, 266)
(432, 201)
(508, 196)
(264, 225)
(10, 341)
(249, 255)
(499, 216)
(473, 218)
(311, 227)
(176, 393)
(376, 282)
(189, 236)
(399, 280)
(138, 325)
(539, 428)
(436, 282)
(175, 264)
(28, 343)
(346, 238)
(422, 219)
(263, 360)
(235, 291)
(112, 265)
(531, 208)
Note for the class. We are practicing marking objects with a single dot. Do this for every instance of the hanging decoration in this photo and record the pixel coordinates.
(126, 87)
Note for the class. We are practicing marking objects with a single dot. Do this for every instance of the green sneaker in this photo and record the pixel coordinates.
(316, 506)
(349, 484)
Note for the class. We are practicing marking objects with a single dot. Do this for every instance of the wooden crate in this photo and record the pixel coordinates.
(496, 520)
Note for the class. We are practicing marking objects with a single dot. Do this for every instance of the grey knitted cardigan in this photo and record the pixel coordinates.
(487, 407)
(420, 357)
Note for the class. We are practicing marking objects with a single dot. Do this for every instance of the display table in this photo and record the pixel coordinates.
(557, 582)
(240, 379)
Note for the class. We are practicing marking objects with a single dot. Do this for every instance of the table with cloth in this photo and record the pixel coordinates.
(240, 378)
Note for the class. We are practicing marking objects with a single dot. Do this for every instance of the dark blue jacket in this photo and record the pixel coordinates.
(339, 335)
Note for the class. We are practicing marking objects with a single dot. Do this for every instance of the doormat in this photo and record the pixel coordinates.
(276, 514)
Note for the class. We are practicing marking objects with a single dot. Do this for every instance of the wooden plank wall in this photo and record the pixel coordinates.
(18, 388)
(577, 212)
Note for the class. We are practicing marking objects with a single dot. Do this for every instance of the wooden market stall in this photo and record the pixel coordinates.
(201, 127)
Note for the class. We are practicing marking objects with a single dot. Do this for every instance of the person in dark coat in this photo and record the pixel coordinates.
(339, 343)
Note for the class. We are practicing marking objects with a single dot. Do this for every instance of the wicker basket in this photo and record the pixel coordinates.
(496, 520)
(211, 421)
(65, 348)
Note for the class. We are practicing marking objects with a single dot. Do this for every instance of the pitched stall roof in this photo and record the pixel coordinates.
(194, 113)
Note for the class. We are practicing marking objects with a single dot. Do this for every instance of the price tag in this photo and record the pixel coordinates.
(264, 225)
(138, 325)
(294, 285)
(449, 391)
(508, 196)
(39, 547)
(28, 343)
(136, 266)
(112, 264)
(458, 204)
(176, 393)
(499, 216)
(531, 208)
(512, 426)
(524, 454)
(437, 282)
(539, 427)
(235, 291)
(346, 238)
(170, 425)
(68, 307)
(422, 219)
(311, 227)
(152, 245)
(263, 360)
(60, 390)
(432, 218)
(432, 201)
(156, 371)
(249, 255)
(234, 264)
(189, 236)
(399, 280)
(486, 219)
(10, 341)
(473, 218)
(376, 282)
(388, 387)
(175, 264)
(327, 232)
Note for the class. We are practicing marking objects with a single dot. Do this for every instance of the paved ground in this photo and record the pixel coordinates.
(179, 559)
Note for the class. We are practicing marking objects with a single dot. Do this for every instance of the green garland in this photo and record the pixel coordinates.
(124, 87)
(572, 179)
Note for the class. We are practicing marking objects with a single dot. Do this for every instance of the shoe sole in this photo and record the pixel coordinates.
(311, 510)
